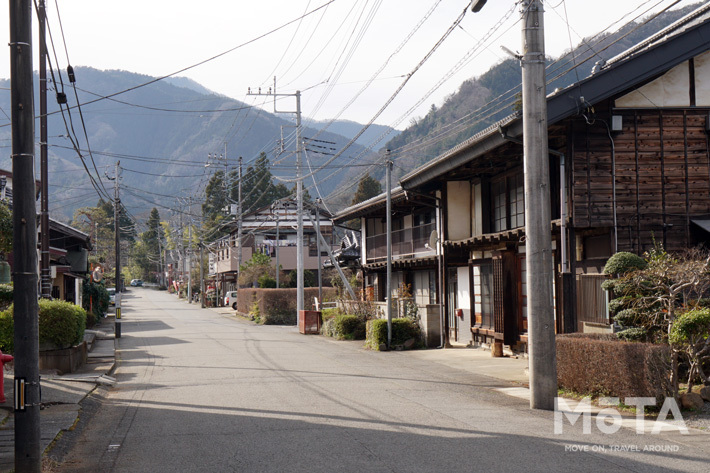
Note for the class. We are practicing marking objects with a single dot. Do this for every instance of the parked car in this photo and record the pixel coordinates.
(111, 295)
(231, 299)
(136, 282)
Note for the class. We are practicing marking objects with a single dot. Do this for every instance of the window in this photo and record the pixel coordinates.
(499, 206)
(483, 293)
(508, 202)
(487, 295)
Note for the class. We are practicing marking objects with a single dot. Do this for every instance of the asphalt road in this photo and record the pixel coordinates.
(199, 391)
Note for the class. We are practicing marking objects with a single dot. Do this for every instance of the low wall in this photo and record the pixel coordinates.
(66, 360)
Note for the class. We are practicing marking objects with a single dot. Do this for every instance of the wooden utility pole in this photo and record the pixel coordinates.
(45, 274)
(538, 245)
(25, 277)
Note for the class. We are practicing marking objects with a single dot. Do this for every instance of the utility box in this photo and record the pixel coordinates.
(309, 322)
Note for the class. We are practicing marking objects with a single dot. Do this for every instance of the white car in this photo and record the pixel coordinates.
(231, 299)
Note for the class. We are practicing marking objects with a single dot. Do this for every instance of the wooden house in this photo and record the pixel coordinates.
(629, 168)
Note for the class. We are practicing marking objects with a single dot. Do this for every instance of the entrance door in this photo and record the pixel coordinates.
(452, 304)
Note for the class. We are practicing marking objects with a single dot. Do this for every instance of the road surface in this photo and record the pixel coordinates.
(200, 391)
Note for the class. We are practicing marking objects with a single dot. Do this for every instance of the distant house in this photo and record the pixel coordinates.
(629, 168)
(69, 261)
(271, 230)
(68, 250)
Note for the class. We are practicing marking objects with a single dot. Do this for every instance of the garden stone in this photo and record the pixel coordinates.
(705, 393)
(691, 401)
(409, 343)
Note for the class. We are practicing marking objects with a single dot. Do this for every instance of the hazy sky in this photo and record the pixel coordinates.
(329, 55)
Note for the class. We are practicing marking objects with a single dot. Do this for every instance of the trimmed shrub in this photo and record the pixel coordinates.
(7, 331)
(6, 295)
(6, 292)
(402, 330)
(61, 324)
(328, 327)
(601, 365)
(624, 262)
(349, 327)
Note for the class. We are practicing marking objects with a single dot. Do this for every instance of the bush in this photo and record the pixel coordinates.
(61, 325)
(7, 331)
(6, 292)
(624, 262)
(402, 331)
(600, 365)
(267, 282)
(277, 306)
(349, 327)
(95, 299)
(690, 334)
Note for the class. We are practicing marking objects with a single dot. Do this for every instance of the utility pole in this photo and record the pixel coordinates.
(318, 235)
(278, 244)
(117, 227)
(45, 274)
(299, 190)
(202, 277)
(25, 277)
(239, 226)
(538, 246)
(189, 255)
(388, 165)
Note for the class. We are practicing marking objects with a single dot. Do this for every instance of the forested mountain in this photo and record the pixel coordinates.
(162, 133)
(483, 100)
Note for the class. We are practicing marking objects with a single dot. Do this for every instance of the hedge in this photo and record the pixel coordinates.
(344, 327)
(602, 365)
(61, 325)
(403, 329)
(278, 306)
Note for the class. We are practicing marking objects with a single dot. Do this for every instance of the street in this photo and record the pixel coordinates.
(202, 391)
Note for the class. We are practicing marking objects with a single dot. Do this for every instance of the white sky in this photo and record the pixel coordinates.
(159, 37)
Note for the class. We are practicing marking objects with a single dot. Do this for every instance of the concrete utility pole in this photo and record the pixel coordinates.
(202, 277)
(538, 246)
(189, 255)
(299, 191)
(45, 274)
(117, 229)
(24, 240)
(388, 230)
(239, 225)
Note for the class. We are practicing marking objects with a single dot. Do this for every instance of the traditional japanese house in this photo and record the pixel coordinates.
(629, 168)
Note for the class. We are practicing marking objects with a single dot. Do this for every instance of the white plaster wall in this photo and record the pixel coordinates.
(669, 90)
(458, 206)
(702, 80)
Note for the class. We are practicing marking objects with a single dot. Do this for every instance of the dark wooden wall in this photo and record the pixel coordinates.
(662, 176)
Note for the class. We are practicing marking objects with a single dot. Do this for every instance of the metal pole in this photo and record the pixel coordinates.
(299, 197)
(389, 250)
(45, 274)
(538, 245)
(25, 277)
(117, 230)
